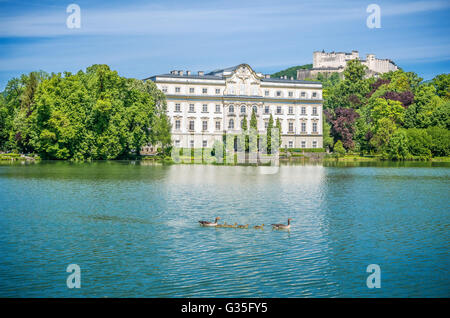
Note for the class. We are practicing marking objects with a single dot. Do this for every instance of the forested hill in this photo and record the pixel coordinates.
(291, 71)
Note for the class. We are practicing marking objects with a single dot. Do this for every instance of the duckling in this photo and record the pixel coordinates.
(232, 226)
(259, 227)
(243, 226)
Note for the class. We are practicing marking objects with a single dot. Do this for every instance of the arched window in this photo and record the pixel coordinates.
(231, 109)
(243, 109)
(255, 109)
(231, 124)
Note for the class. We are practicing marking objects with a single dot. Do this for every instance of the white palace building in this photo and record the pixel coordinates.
(202, 107)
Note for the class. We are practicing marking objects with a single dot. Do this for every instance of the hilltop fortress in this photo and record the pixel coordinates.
(335, 62)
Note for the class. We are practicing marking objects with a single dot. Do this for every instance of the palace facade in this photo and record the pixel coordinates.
(202, 107)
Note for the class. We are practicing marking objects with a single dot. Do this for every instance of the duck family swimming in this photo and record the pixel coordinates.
(277, 226)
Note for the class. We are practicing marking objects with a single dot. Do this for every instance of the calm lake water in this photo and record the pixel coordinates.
(133, 230)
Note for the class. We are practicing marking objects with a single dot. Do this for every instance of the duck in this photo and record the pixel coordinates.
(258, 227)
(282, 226)
(243, 226)
(206, 223)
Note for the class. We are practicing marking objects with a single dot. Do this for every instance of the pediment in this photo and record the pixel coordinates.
(243, 81)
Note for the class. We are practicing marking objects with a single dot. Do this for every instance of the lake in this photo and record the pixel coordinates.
(132, 228)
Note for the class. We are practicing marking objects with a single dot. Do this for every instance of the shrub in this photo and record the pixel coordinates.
(440, 141)
(339, 148)
(419, 143)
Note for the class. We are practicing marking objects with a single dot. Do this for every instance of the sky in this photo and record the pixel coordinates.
(144, 38)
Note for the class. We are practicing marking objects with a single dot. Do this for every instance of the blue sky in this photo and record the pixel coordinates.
(143, 38)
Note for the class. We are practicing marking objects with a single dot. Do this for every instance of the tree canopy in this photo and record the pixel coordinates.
(95, 114)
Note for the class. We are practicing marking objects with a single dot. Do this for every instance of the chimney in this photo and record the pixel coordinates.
(173, 72)
(180, 73)
(188, 72)
(292, 78)
(267, 76)
(201, 73)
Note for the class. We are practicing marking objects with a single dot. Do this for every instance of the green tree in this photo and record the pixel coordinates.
(269, 134)
(440, 141)
(442, 85)
(385, 128)
(386, 108)
(339, 148)
(419, 143)
(397, 147)
(278, 126)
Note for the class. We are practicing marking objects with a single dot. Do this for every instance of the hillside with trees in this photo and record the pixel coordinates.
(95, 114)
(291, 71)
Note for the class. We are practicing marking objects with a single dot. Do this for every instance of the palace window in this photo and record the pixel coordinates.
(266, 109)
(191, 108)
(243, 109)
(231, 109)
(191, 125)
(278, 93)
(303, 94)
(204, 90)
(314, 94)
(303, 110)
(314, 144)
(291, 127)
(266, 93)
(205, 108)
(217, 125)
(231, 124)
(192, 144)
(314, 126)
(217, 91)
(177, 108)
(303, 144)
(177, 124)
(303, 127)
(192, 90)
(217, 108)
(164, 89)
(291, 144)
(205, 143)
(266, 124)
(314, 111)
(291, 110)
(255, 109)
(177, 143)
(291, 94)
(177, 89)
(205, 125)
(278, 109)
